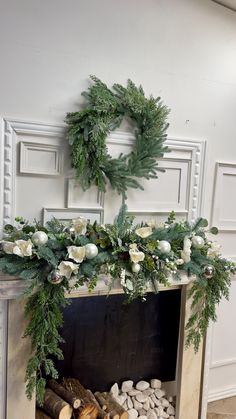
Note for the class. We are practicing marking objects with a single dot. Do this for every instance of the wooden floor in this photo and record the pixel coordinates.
(222, 409)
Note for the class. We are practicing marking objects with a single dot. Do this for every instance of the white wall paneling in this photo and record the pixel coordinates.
(41, 158)
(76, 197)
(224, 206)
(67, 214)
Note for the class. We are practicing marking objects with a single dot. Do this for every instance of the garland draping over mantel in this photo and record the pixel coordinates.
(53, 258)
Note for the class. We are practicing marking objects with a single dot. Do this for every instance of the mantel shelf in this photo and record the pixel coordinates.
(11, 287)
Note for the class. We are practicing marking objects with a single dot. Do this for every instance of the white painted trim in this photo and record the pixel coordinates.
(223, 362)
(222, 394)
(70, 213)
(25, 168)
(224, 225)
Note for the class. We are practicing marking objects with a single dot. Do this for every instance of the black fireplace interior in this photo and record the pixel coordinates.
(107, 341)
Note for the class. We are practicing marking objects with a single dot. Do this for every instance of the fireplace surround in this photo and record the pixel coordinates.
(14, 351)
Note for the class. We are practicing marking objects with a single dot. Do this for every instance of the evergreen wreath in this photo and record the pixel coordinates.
(57, 258)
(89, 128)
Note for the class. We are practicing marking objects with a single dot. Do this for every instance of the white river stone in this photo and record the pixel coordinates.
(133, 392)
(149, 391)
(142, 385)
(142, 412)
(130, 403)
(151, 414)
(164, 402)
(121, 398)
(155, 383)
(137, 405)
(152, 404)
(159, 393)
(127, 386)
(142, 417)
(146, 405)
(155, 400)
(170, 410)
(125, 406)
(133, 414)
(142, 398)
(114, 390)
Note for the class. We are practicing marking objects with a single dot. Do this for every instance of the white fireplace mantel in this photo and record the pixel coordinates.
(15, 351)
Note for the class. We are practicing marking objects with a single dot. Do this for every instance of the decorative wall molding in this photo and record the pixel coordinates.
(66, 214)
(224, 393)
(77, 198)
(47, 161)
(224, 202)
(186, 156)
(223, 362)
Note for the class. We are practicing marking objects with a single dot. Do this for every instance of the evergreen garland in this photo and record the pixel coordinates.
(61, 263)
(89, 128)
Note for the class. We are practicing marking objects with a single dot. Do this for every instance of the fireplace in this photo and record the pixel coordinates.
(182, 372)
(107, 341)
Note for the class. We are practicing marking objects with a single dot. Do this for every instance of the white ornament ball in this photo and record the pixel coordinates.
(39, 238)
(91, 250)
(198, 242)
(55, 277)
(136, 268)
(164, 246)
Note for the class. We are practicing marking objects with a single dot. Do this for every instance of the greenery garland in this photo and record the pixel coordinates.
(89, 128)
(55, 259)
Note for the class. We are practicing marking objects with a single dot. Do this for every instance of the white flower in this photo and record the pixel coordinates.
(179, 262)
(144, 232)
(77, 253)
(155, 224)
(23, 248)
(186, 252)
(67, 268)
(214, 250)
(80, 225)
(135, 255)
(8, 247)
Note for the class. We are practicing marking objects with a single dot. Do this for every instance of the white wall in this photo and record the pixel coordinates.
(184, 50)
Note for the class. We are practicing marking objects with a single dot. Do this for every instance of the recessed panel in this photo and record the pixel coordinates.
(66, 214)
(77, 197)
(224, 205)
(40, 159)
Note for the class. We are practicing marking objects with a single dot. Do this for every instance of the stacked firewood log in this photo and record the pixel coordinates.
(71, 400)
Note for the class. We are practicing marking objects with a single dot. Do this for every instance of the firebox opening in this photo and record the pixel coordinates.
(107, 341)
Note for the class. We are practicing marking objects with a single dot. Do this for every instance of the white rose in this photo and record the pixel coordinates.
(80, 225)
(67, 268)
(186, 252)
(144, 232)
(23, 248)
(8, 247)
(77, 253)
(214, 250)
(179, 262)
(135, 255)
